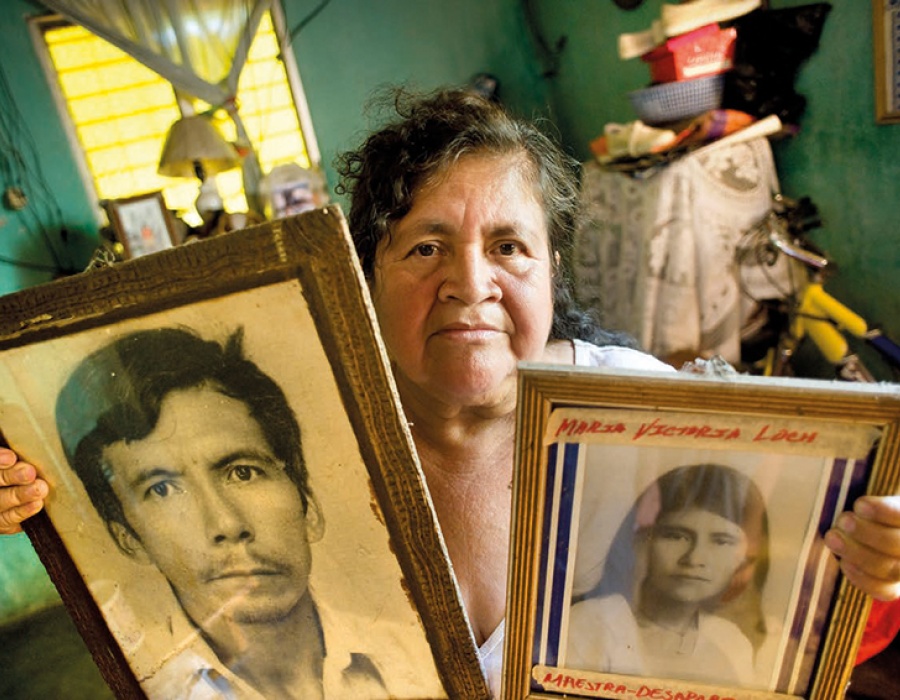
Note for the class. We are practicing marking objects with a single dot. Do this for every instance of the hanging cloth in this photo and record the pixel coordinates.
(200, 46)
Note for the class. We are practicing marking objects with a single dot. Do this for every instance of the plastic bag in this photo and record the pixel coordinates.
(771, 47)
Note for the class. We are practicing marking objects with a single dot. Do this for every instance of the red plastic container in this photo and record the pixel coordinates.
(705, 51)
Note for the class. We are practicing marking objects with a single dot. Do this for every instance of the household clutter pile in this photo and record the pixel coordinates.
(688, 51)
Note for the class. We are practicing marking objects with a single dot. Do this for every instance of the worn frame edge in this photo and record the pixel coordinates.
(542, 387)
(279, 251)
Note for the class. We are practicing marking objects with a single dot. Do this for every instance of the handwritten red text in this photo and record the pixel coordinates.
(570, 426)
(657, 428)
(667, 694)
(768, 433)
(562, 681)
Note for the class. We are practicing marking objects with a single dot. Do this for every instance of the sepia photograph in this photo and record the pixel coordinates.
(216, 489)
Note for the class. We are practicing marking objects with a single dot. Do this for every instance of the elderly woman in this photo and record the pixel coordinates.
(461, 217)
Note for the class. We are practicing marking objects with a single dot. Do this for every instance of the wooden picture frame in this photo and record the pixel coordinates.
(886, 41)
(380, 579)
(618, 477)
(142, 224)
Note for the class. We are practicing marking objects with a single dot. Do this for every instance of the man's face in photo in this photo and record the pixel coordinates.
(215, 510)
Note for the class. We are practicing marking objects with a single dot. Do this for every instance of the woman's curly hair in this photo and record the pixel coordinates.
(432, 132)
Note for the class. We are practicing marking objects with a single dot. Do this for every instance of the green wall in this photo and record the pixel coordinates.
(354, 46)
(351, 47)
(55, 192)
(841, 158)
(849, 165)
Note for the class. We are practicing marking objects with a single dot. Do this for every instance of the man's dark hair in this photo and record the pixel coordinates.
(433, 132)
(116, 392)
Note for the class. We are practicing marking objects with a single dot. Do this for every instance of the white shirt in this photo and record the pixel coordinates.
(189, 675)
(605, 636)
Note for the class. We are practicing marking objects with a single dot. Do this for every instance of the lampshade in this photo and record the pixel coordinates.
(194, 148)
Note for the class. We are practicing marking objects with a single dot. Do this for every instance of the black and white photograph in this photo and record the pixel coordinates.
(699, 573)
(216, 503)
(678, 550)
(217, 494)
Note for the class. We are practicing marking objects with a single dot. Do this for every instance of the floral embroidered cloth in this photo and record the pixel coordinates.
(656, 256)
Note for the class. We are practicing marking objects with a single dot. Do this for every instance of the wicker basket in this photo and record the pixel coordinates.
(669, 102)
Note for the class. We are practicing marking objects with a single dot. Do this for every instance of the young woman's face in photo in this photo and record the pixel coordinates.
(694, 555)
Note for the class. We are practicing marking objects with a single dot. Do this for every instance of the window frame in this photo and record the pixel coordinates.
(38, 24)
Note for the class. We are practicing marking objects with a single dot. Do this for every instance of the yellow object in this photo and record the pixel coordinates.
(822, 317)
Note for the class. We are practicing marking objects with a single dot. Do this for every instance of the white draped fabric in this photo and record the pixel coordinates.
(656, 257)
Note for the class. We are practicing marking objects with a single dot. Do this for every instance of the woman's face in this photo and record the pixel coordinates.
(694, 555)
(462, 287)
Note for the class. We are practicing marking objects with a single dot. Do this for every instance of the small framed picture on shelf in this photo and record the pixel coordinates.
(668, 533)
(886, 40)
(142, 224)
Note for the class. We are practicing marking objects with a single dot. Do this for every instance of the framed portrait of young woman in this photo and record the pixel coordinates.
(236, 506)
(668, 533)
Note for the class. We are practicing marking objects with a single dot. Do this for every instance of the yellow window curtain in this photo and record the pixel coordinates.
(199, 46)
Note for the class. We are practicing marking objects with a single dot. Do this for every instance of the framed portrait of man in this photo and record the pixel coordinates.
(668, 533)
(236, 507)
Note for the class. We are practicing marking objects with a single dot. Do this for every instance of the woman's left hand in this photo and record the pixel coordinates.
(867, 541)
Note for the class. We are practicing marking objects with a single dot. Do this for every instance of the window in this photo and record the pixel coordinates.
(120, 112)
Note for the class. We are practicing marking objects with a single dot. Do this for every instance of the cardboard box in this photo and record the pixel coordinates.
(705, 51)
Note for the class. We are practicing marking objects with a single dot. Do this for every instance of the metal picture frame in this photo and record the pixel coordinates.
(288, 299)
(619, 474)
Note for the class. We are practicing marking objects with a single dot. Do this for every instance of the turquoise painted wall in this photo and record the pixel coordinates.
(55, 192)
(351, 47)
(354, 47)
(841, 158)
(849, 165)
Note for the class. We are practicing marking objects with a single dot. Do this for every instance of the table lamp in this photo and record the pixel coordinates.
(195, 148)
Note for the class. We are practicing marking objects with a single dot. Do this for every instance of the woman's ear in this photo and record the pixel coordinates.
(128, 542)
(315, 521)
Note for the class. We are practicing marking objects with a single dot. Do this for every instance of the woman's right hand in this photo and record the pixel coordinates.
(22, 493)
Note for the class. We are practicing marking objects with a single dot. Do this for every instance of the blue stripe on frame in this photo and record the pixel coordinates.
(558, 598)
(857, 471)
(543, 562)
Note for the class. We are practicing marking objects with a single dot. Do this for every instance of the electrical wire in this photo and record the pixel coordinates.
(301, 25)
(21, 169)
(549, 55)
